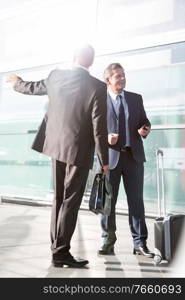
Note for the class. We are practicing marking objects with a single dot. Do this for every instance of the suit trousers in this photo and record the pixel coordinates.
(69, 186)
(132, 173)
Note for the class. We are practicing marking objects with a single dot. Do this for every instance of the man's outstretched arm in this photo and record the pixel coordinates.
(27, 87)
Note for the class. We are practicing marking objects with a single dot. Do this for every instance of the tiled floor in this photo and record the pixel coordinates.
(25, 247)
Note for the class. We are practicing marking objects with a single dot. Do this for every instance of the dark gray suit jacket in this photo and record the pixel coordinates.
(137, 118)
(75, 121)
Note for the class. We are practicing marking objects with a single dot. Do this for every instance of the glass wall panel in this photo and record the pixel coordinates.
(125, 24)
(20, 112)
(24, 172)
(171, 142)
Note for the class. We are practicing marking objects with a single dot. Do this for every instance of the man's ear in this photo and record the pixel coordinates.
(107, 81)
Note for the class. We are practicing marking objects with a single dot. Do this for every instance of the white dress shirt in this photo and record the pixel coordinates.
(116, 105)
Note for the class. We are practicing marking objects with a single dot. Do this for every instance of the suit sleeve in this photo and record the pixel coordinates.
(39, 139)
(99, 120)
(31, 87)
(143, 118)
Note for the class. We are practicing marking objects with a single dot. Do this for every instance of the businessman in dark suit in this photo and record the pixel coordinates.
(75, 123)
(127, 125)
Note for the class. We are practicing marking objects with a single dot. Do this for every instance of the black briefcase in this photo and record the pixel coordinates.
(101, 195)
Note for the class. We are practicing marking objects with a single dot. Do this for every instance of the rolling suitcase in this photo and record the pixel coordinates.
(167, 228)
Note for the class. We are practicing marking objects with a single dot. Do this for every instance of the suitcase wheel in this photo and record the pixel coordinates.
(157, 259)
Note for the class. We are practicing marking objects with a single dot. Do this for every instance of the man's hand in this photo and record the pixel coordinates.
(105, 169)
(144, 130)
(113, 138)
(13, 79)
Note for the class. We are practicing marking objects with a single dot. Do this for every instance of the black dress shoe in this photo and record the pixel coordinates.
(106, 250)
(68, 260)
(143, 251)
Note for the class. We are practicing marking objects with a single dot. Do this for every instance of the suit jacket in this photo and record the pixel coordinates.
(76, 117)
(137, 118)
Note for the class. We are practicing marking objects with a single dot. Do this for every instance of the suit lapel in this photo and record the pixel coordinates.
(112, 120)
(130, 106)
(111, 107)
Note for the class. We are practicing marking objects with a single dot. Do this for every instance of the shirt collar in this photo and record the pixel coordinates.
(113, 95)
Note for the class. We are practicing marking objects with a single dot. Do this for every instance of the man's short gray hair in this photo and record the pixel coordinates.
(108, 71)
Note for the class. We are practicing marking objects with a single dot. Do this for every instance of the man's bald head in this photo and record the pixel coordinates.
(84, 56)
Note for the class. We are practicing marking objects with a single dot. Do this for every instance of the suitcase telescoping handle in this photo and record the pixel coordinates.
(160, 183)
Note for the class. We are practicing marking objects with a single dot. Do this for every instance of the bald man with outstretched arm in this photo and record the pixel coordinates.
(75, 124)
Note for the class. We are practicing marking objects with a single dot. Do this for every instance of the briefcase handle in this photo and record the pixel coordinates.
(100, 164)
